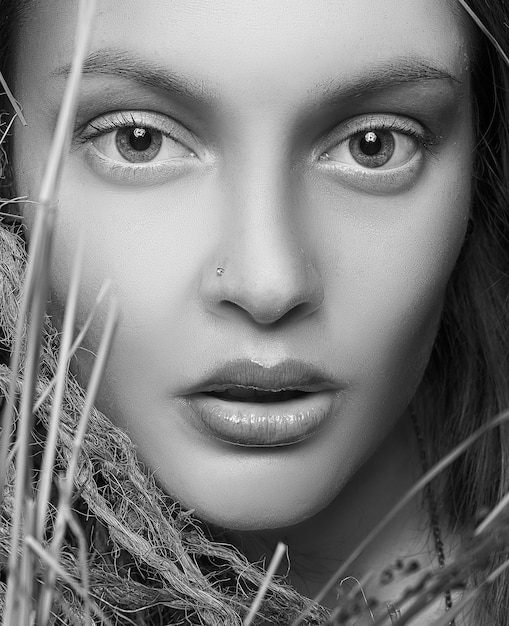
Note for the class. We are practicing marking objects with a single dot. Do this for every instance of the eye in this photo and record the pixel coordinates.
(376, 148)
(377, 154)
(137, 146)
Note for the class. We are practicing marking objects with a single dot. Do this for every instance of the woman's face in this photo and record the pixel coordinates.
(317, 152)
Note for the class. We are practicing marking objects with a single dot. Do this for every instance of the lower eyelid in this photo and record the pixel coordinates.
(134, 173)
(374, 181)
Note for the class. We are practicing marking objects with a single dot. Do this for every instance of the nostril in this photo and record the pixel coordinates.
(267, 313)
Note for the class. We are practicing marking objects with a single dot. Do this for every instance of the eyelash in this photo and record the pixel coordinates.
(134, 173)
(397, 124)
(125, 119)
(374, 180)
(371, 180)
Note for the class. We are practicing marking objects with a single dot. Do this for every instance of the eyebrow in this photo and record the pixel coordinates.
(395, 73)
(121, 63)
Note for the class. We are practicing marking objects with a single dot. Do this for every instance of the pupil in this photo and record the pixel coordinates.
(140, 139)
(370, 144)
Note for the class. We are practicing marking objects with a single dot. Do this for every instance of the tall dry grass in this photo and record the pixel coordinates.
(33, 567)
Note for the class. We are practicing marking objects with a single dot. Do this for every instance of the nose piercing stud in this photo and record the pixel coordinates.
(220, 271)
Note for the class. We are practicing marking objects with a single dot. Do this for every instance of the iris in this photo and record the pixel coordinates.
(138, 144)
(372, 148)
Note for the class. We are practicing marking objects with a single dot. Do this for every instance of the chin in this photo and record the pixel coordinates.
(245, 521)
(256, 514)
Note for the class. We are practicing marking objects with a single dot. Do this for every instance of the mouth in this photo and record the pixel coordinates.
(253, 394)
(247, 404)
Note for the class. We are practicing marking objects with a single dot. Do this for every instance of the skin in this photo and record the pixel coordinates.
(326, 260)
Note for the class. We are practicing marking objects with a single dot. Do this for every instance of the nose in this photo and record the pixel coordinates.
(263, 265)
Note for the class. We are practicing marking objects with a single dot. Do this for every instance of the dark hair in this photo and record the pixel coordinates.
(467, 380)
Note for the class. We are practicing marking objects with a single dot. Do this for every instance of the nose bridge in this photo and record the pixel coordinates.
(267, 269)
(263, 216)
(260, 207)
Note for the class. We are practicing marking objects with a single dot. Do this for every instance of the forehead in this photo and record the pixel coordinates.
(287, 45)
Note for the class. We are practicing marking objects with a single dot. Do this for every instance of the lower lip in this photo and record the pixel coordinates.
(264, 424)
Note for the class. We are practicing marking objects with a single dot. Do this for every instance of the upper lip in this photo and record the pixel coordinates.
(286, 375)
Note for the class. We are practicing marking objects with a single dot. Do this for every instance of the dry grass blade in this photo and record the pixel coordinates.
(79, 339)
(12, 100)
(32, 273)
(6, 131)
(44, 605)
(493, 515)
(26, 609)
(92, 390)
(18, 596)
(485, 31)
(49, 188)
(44, 486)
(274, 564)
(77, 342)
(63, 131)
(446, 619)
(342, 608)
(471, 596)
(18, 200)
(68, 481)
(85, 584)
(54, 565)
(23, 459)
(497, 421)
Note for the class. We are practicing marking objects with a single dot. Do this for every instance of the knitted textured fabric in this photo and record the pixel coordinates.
(149, 562)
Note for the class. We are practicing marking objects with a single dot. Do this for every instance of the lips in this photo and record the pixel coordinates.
(247, 404)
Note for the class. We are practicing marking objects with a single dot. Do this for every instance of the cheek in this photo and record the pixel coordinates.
(387, 264)
(152, 254)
